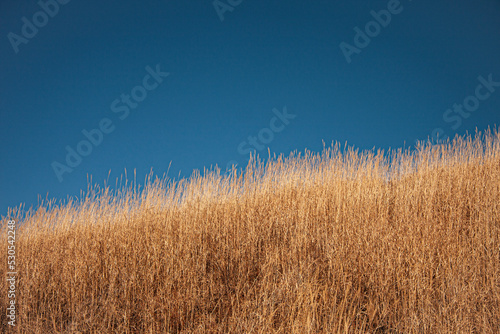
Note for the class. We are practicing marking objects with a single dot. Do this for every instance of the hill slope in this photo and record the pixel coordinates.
(309, 244)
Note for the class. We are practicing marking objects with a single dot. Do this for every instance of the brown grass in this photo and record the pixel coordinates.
(314, 243)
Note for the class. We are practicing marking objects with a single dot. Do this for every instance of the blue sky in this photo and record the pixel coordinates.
(234, 67)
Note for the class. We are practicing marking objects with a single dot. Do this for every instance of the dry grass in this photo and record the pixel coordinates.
(307, 244)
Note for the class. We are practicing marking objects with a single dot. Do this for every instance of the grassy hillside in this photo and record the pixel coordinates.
(337, 242)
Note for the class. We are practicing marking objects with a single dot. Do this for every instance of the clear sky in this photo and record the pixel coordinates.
(142, 84)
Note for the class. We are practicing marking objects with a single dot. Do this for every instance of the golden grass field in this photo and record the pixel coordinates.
(311, 243)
